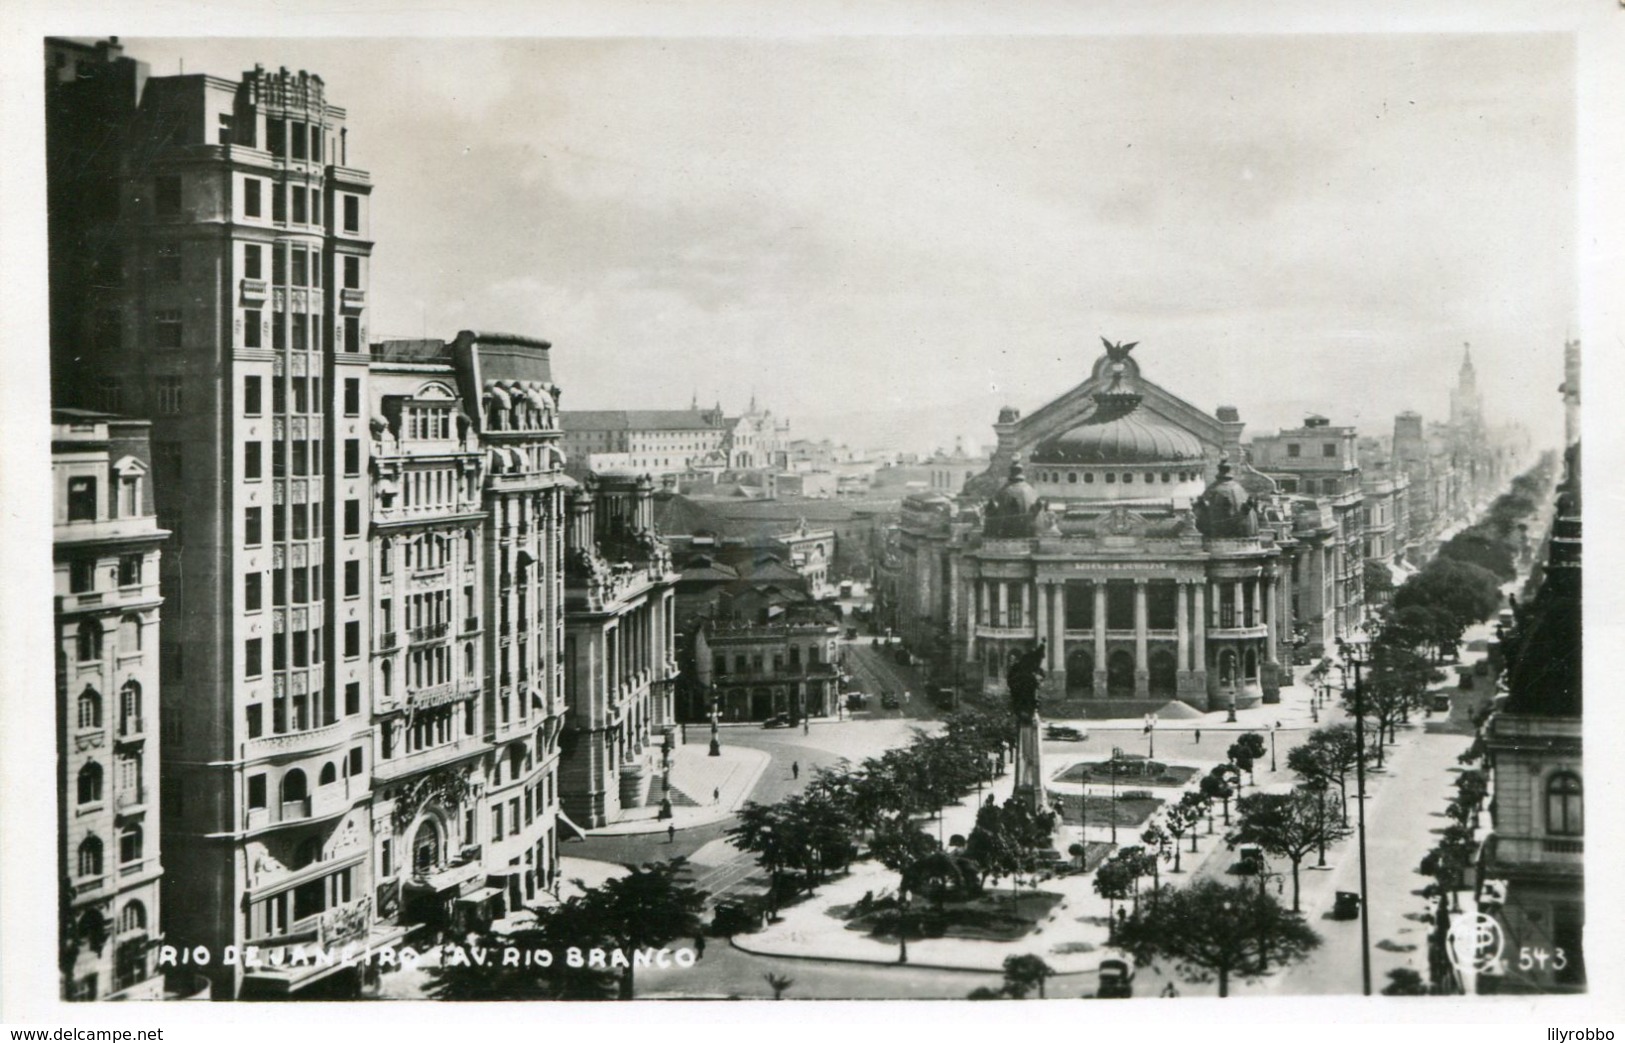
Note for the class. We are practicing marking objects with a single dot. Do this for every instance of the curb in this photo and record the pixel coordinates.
(860, 961)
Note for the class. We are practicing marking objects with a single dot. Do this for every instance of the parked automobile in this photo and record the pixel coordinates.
(890, 701)
(778, 720)
(1347, 906)
(1065, 733)
(856, 700)
(1116, 980)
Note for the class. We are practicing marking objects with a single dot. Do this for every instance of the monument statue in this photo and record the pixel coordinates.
(1022, 676)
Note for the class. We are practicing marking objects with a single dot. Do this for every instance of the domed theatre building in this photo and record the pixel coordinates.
(1113, 526)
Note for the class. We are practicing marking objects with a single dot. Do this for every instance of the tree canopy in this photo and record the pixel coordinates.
(1212, 930)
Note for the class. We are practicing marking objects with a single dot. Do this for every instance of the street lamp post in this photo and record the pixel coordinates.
(1150, 736)
(1114, 796)
(1351, 654)
(1272, 745)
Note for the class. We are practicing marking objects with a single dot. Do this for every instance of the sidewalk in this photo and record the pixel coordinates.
(695, 776)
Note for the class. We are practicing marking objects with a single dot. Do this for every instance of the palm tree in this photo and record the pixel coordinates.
(779, 983)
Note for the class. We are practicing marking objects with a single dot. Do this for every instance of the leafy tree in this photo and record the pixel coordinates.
(900, 845)
(1403, 981)
(1449, 859)
(1244, 752)
(1157, 840)
(1287, 824)
(1476, 546)
(648, 908)
(1217, 787)
(1008, 837)
(1330, 753)
(1178, 820)
(1394, 682)
(1114, 881)
(1024, 973)
(1379, 582)
(1211, 930)
(1466, 592)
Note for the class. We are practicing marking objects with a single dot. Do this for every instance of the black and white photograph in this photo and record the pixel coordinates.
(831, 510)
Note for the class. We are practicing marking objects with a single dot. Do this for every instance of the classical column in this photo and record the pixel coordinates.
(1142, 666)
(1213, 621)
(1182, 625)
(1004, 603)
(1057, 626)
(1026, 603)
(1269, 621)
(1199, 650)
(1100, 638)
(1240, 602)
(974, 610)
(1041, 623)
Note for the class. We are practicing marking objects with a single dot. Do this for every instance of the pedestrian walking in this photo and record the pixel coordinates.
(716, 795)
(1198, 736)
(699, 946)
(795, 769)
(671, 833)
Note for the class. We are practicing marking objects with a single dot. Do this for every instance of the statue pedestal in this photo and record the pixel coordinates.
(1030, 779)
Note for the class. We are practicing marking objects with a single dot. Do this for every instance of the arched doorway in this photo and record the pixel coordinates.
(1164, 669)
(1080, 671)
(1120, 673)
(426, 847)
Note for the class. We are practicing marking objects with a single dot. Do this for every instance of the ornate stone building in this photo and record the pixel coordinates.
(106, 543)
(619, 659)
(1149, 565)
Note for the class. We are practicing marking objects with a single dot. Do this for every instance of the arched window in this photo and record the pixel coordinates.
(129, 704)
(516, 760)
(388, 669)
(329, 774)
(90, 641)
(90, 708)
(133, 917)
(294, 786)
(90, 783)
(1564, 815)
(129, 634)
(90, 857)
(426, 847)
(129, 844)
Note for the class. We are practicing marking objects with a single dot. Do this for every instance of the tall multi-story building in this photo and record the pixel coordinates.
(673, 441)
(466, 609)
(362, 673)
(752, 663)
(1531, 867)
(106, 543)
(233, 312)
(619, 659)
(1322, 461)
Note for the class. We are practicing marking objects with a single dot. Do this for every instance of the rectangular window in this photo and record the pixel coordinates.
(352, 699)
(129, 570)
(300, 257)
(352, 273)
(251, 201)
(279, 266)
(279, 523)
(299, 214)
(301, 399)
(167, 327)
(357, 760)
(496, 822)
(315, 212)
(253, 649)
(352, 579)
(252, 256)
(81, 499)
(352, 457)
(252, 321)
(296, 138)
(251, 460)
(301, 521)
(279, 203)
(279, 653)
(168, 265)
(166, 196)
(279, 395)
(352, 638)
(256, 783)
(352, 333)
(352, 517)
(251, 395)
(352, 396)
(352, 214)
(81, 576)
(316, 142)
(252, 521)
(301, 653)
(279, 459)
(276, 136)
(301, 329)
(279, 587)
(169, 395)
(253, 585)
(1329, 449)
(301, 457)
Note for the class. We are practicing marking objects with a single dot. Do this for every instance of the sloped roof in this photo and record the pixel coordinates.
(677, 515)
(635, 420)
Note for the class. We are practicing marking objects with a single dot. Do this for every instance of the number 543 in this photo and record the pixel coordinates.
(1531, 957)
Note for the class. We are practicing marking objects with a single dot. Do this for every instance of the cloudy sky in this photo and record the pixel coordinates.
(882, 233)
